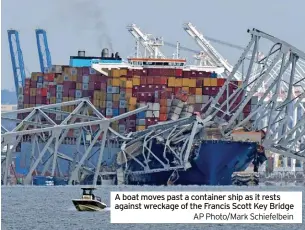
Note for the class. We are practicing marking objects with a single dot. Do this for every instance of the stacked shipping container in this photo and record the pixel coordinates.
(169, 93)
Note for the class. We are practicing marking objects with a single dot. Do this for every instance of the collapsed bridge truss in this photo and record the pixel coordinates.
(39, 126)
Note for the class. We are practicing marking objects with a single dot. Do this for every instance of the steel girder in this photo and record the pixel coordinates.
(278, 104)
(40, 128)
(177, 138)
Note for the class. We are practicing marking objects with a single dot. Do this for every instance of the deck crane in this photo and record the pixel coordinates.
(149, 44)
(17, 59)
(43, 50)
(214, 57)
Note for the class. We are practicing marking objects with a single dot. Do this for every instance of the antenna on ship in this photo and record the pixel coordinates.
(178, 49)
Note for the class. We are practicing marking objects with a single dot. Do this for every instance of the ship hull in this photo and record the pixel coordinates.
(214, 165)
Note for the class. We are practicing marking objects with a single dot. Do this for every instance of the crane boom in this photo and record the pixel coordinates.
(150, 44)
(43, 50)
(214, 56)
(17, 59)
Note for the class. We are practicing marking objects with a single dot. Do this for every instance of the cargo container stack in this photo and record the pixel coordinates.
(169, 93)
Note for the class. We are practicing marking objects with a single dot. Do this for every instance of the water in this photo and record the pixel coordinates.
(51, 208)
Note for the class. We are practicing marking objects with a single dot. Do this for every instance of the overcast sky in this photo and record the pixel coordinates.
(90, 25)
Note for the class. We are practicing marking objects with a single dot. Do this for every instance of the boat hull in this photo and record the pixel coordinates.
(88, 205)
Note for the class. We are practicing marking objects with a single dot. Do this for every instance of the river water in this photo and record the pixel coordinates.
(31, 208)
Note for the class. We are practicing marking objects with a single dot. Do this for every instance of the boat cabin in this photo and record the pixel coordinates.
(88, 194)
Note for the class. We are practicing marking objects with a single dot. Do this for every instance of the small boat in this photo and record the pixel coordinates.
(89, 202)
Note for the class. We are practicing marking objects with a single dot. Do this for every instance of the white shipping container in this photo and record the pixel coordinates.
(142, 104)
(109, 104)
(156, 106)
(176, 110)
(198, 99)
(108, 112)
(149, 114)
(150, 106)
(174, 117)
(85, 79)
(156, 113)
(205, 99)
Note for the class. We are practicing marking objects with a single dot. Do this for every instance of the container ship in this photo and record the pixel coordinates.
(169, 87)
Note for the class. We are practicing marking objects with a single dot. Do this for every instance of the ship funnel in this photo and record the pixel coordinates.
(81, 53)
(105, 52)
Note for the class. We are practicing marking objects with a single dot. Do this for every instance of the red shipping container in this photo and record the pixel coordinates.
(163, 117)
(140, 72)
(121, 112)
(150, 88)
(198, 83)
(97, 86)
(33, 84)
(150, 80)
(206, 90)
(177, 90)
(220, 82)
(65, 93)
(26, 99)
(163, 81)
(44, 92)
(53, 92)
(142, 97)
(178, 72)
(32, 100)
(71, 92)
(85, 70)
(85, 93)
(129, 72)
(186, 74)
(193, 74)
(115, 104)
(69, 85)
(80, 78)
(203, 74)
(143, 80)
(50, 77)
(38, 91)
(142, 88)
(91, 86)
(214, 91)
(26, 91)
(156, 80)
(28, 81)
(103, 86)
(192, 90)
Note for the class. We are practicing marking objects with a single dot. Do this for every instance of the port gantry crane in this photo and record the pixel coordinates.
(213, 56)
(17, 59)
(43, 50)
(150, 44)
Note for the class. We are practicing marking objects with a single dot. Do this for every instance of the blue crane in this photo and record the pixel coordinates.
(43, 50)
(17, 59)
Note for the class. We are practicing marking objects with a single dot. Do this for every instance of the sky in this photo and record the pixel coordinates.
(91, 25)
